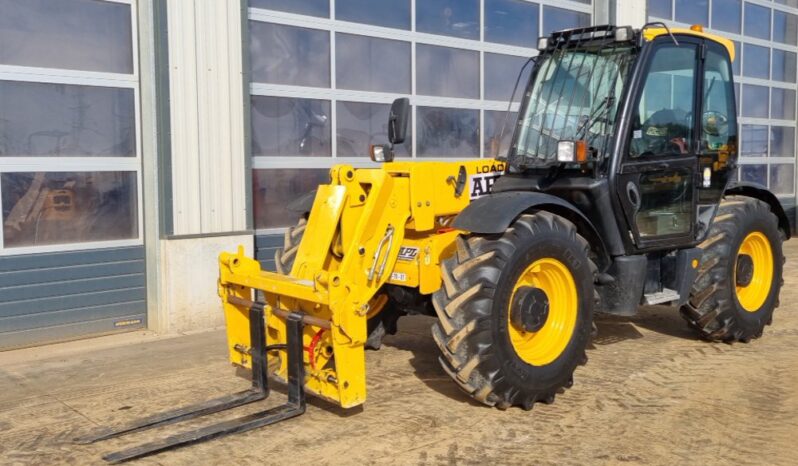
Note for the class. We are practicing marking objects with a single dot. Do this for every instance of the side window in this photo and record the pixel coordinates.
(662, 125)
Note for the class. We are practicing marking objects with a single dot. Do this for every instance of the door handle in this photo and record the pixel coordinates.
(633, 194)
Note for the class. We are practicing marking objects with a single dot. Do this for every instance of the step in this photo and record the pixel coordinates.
(664, 296)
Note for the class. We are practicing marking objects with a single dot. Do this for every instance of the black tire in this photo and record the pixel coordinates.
(473, 305)
(384, 323)
(714, 309)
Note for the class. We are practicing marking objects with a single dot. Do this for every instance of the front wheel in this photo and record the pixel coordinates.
(516, 310)
(740, 277)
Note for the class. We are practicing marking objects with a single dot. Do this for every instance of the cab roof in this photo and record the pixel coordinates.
(652, 33)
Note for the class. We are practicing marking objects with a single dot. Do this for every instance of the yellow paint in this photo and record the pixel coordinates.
(695, 263)
(330, 279)
(652, 33)
(547, 344)
(754, 295)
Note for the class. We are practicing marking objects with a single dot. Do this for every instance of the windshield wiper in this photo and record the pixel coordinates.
(603, 107)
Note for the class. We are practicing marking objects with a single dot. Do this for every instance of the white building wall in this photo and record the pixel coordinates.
(207, 117)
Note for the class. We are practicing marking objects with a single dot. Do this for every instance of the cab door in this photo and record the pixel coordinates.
(656, 182)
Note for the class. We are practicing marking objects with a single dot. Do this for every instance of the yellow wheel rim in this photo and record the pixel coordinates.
(547, 344)
(752, 296)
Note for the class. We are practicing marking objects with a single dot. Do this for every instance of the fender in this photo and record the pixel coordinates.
(492, 214)
(757, 191)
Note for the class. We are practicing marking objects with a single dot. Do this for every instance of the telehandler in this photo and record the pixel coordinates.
(619, 190)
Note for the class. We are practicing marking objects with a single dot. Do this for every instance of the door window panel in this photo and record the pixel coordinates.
(757, 61)
(785, 27)
(65, 120)
(755, 101)
(68, 207)
(459, 18)
(782, 104)
(754, 141)
(757, 21)
(719, 122)
(782, 141)
(362, 124)
(501, 72)
(662, 121)
(386, 13)
(727, 15)
(504, 19)
(692, 11)
(666, 203)
(447, 72)
(283, 126)
(782, 178)
(659, 8)
(557, 19)
(499, 128)
(289, 55)
(754, 174)
(448, 132)
(77, 35)
(274, 189)
(784, 66)
(361, 64)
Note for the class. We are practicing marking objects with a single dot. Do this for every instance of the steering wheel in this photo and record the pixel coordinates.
(715, 123)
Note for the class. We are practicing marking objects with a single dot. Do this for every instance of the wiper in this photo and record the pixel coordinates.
(604, 106)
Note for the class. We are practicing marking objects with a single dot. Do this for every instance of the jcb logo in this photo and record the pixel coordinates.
(481, 184)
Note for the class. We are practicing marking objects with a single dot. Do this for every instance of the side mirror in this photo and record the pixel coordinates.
(397, 120)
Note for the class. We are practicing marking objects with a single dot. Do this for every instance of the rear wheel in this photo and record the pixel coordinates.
(383, 313)
(515, 312)
(738, 284)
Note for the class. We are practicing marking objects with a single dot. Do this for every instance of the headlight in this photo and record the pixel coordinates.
(572, 151)
(381, 153)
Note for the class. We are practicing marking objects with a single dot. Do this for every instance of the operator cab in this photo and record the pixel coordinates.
(608, 123)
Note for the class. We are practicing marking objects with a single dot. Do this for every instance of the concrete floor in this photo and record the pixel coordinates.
(651, 394)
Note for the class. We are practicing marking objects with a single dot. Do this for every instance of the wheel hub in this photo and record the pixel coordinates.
(745, 270)
(530, 309)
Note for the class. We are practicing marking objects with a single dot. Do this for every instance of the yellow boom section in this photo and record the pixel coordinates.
(368, 227)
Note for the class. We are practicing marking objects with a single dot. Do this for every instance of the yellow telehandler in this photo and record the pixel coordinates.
(619, 189)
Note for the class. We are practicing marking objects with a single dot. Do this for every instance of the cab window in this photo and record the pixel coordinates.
(662, 124)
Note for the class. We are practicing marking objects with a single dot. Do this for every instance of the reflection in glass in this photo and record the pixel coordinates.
(782, 141)
(727, 15)
(303, 7)
(757, 61)
(659, 8)
(501, 72)
(782, 178)
(447, 72)
(40, 119)
(692, 11)
(557, 19)
(75, 35)
(513, 22)
(784, 66)
(755, 101)
(448, 132)
(283, 126)
(754, 141)
(59, 208)
(363, 124)
(754, 174)
(782, 105)
(273, 189)
(387, 13)
(361, 64)
(497, 141)
(459, 18)
(785, 28)
(757, 21)
(289, 55)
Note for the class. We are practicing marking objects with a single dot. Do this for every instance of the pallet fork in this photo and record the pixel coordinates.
(259, 391)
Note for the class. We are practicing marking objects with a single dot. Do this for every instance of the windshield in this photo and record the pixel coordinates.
(574, 96)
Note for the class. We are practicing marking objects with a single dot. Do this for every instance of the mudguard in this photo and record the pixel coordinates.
(757, 191)
(492, 214)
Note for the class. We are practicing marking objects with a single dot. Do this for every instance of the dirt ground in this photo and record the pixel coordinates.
(651, 394)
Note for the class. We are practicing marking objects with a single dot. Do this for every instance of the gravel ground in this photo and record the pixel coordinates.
(650, 394)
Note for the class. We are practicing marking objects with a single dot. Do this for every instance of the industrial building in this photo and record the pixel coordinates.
(140, 138)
